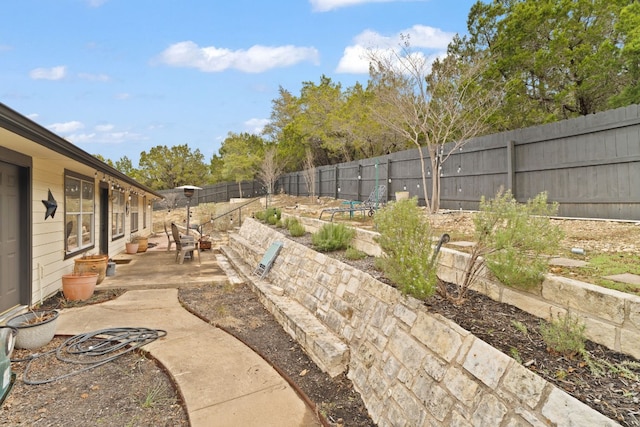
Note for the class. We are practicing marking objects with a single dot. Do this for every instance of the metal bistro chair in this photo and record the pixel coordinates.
(170, 239)
(184, 244)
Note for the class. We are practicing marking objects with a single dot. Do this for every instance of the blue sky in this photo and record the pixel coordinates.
(118, 77)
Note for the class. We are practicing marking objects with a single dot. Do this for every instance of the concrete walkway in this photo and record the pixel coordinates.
(223, 382)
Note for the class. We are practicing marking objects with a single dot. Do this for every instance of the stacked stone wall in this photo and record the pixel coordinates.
(411, 367)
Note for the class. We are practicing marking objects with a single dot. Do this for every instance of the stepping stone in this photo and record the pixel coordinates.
(632, 279)
(567, 262)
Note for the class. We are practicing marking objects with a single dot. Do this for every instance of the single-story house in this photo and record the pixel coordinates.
(57, 203)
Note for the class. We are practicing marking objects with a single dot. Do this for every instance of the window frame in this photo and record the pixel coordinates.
(84, 182)
(134, 216)
(117, 213)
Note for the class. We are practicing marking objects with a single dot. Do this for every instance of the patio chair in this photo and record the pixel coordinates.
(170, 240)
(184, 245)
(369, 206)
(267, 260)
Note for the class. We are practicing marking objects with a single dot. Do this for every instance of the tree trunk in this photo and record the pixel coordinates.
(424, 178)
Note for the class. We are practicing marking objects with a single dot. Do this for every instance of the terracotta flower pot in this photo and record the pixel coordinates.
(143, 243)
(80, 286)
(132, 248)
(92, 264)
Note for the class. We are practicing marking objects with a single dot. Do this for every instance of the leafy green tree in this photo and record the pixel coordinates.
(216, 169)
(283, 130)
(629, 27)
(556, 59)
(241, 155)
(164, 168)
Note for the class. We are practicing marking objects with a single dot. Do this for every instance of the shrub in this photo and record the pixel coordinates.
(405, 238)
(564, 335)
(272, 219)
(354, 254)
(260, 216)
(517, 237)
(332, 237)
(296, 229)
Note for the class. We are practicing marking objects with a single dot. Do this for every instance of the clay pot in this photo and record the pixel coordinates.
(79, 286)
(143, 243)
(132, 248)
(92, 264)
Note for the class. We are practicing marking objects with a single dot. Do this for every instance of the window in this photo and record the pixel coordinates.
(134, 213)
(79, 213)
(117, 214)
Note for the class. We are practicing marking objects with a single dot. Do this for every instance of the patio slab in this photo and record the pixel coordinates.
(567, 262)
(631, 279)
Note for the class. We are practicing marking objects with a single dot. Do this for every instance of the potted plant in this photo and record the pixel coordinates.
(132, 245)
(92, 264)
(35, 328)
(79, 286)
(143, 243)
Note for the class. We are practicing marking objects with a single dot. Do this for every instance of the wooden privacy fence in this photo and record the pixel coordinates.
(589, 165)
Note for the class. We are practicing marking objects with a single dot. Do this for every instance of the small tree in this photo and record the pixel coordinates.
(270, 169)
(309, 173)
(439, 105)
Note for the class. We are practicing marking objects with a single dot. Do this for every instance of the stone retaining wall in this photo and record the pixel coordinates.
(411, 367)
(611, 318)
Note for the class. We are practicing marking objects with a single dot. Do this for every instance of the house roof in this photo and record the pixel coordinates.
(20, 125)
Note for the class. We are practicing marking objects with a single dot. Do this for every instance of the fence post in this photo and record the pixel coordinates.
(511, 168)
(336, 174)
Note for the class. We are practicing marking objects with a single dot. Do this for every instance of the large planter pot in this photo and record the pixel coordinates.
(92, 264)
(143, 243)
(35, 328)
(79, 286)
(132, 248)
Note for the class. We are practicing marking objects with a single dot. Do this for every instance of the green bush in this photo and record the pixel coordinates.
(518, 237)
(354, 254)
(564, 335)
(296, 229)
(405, 238)
(272, 219)
(260, 216)
(332, 237)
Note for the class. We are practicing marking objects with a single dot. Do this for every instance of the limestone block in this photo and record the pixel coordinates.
(630, 342)
(461, 386)
(434, 398)
(434, 367)
(600, 332)
(563, 410)
(529, 303)
(443, 338)
(525, 385)
(412, 409)
(408, 351)
(486, 363)
(489, 409)
(405, 314)
(634, 312)
(585, 297)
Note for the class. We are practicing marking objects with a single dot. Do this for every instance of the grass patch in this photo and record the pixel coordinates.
(606, 264)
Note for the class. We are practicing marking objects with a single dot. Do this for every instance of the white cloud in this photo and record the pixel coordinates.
(94, 77)
(104, 128)
(55, 73)
(256, 59)
(5, 48)
(33, 116)
(429, 41)
(65, 128)
(255, 126)
(123, 96)
(327, 5)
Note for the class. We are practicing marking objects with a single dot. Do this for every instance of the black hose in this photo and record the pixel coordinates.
(95, 348)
